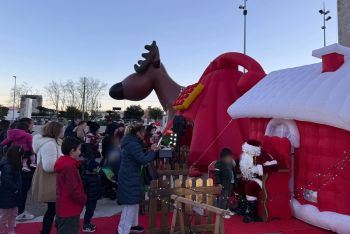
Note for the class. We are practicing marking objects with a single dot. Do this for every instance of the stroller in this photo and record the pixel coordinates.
(109, 174)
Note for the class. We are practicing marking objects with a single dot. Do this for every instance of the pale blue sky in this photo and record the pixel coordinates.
(43, 40)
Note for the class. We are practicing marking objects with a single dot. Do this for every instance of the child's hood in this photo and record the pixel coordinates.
(17, 134)
(66, 161)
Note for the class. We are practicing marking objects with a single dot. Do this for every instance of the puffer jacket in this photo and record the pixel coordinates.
(10, 185)
(129, 178)
(19, 137)
(90, 174)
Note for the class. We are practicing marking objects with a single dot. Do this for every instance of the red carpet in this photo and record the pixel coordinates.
(232, 226)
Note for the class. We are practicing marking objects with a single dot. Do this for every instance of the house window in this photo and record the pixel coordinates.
(288, 129)
(284, 128)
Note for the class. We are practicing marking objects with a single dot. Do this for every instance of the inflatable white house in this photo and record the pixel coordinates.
(310, 105)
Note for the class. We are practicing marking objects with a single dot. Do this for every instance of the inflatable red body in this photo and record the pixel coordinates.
(212, 130)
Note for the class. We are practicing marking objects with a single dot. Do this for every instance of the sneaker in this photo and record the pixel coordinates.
(25, 169)
(89, 228)
(227, 216)
(33, 165)
(137, 229)
(25, 216)
(230, 212)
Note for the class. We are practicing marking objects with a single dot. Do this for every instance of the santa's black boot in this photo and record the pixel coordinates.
(251, 214)
(241, 205)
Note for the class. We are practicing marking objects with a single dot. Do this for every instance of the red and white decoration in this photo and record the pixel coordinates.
(309, 105)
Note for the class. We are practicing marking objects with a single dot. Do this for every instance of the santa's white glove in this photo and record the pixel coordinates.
(258, 169)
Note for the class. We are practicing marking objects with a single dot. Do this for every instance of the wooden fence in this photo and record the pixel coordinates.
(174, 180)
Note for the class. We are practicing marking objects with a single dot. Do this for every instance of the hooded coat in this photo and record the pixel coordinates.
(70, 194)
(10, 185)
(129, 178)
(19, 137)
(48, 150)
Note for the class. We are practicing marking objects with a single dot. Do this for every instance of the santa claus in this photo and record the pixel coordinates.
(253, 164)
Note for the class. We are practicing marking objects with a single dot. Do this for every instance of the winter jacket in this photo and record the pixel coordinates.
(19, 137)
(69, 132)
(48, 150)
(225, 174)
(10, 185)
(90, 174)
(129, 178)
(70, 194)
(80, 133)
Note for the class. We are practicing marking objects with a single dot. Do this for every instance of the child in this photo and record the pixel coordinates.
(70, 191)
(93, 137)
(90, 171)
(10, 187)
(20, 136)
(226, 177)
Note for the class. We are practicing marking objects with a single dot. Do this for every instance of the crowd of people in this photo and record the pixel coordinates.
(72, 168)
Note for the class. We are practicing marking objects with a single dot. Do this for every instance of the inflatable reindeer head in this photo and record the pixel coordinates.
(149, 75)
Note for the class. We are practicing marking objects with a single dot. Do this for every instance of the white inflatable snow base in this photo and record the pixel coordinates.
(327, 220)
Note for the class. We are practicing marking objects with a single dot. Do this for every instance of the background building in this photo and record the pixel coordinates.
(36, 101)
(344, 22)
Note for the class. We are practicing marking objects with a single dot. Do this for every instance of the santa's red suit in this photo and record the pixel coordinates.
(253, 164)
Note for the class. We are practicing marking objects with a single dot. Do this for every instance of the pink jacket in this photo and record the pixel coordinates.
(19, 137)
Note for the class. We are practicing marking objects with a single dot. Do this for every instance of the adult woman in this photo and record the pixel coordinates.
(129, 188)
(112, 143)
(47, 146)
(111, 161)
(80, 130)
(21, 136)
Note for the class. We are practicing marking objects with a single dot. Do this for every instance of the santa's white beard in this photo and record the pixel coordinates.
(245, 164)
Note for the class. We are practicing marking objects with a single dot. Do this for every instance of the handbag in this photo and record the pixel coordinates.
(43, 185)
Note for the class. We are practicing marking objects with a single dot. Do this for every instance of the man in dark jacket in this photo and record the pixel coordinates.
(69, 132)
(129, 187)
(225, 176)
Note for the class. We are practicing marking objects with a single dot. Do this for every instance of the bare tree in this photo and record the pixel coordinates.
(93, 91)
(71, 97)
(21, 89)
(70, 93)
(53, 92)
(63, 97)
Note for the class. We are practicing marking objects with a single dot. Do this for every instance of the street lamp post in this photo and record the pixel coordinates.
(243, 7)
(14, 99)
(326, 18)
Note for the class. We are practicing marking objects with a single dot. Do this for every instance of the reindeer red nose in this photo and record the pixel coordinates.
(117, 91)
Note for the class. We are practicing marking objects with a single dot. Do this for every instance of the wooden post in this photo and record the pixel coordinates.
(199, 199)
(219, 224)
(187, 211)
(209, 201)
(173, 221)
(152, 208)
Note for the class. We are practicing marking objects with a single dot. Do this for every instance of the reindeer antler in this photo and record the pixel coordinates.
(151, 58)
